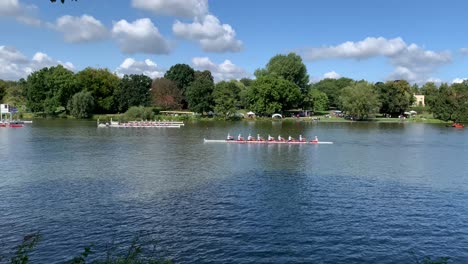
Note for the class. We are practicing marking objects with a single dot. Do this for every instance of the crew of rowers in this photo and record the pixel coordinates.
(270, 138)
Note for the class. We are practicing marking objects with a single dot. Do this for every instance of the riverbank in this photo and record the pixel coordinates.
(332, 119)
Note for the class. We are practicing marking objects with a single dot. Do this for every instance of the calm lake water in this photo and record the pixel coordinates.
(383, 193)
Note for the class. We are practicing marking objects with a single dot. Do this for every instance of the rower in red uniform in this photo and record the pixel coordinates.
(259, 138)
(301, 139)
(315, 140)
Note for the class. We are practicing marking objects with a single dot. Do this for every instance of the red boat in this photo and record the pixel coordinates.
(458, 125)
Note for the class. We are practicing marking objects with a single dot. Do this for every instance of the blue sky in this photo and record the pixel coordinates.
(418, 41)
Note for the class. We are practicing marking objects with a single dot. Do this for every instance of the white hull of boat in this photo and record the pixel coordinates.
(266, 142)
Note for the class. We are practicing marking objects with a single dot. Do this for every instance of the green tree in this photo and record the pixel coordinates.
(3, 87)
(318, 100)
(37, 90)
(246, 81)
(289, 67)
(430, 92)
(226, 98)
(165, 94)
(199, 93)
(102, 84)
(360, 100)
(182, 74)
(396, 97)
(133, 90)
(332, 88)
(81, 105)
(443, 105)
(270, 94)
(460, 98)
(49, 89)
(15, 94)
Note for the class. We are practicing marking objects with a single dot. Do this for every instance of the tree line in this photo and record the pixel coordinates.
(283, 84)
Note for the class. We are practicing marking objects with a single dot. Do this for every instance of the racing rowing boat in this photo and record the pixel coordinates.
(314, 142)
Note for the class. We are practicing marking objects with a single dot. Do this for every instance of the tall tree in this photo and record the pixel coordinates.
(15, 94)
(360, 100)
(430, 92)
(289, 67)
(3, 88)
(396, 97)
(226, 98)
(332, 88)
(133, 90)
(165, 94)
(199, 93)
(81, 105)
(318, 100)
(182, 74)
(271, 94)
(101, 83)
(37, 90)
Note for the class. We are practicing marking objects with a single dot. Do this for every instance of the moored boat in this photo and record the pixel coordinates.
(142, 124)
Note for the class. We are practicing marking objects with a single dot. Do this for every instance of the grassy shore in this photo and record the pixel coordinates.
(424, 118)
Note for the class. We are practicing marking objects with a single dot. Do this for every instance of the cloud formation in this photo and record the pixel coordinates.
(464, 51)
(459, 80)
(411, 62)
(178, 8)
(10, 8)
(224, 71)
(81, 29)
(331, 75)
(24, 14)
(140, 36)
(14, 65)
(146, 67)
(210, 33)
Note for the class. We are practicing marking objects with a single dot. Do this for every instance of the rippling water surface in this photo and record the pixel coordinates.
(383, 193)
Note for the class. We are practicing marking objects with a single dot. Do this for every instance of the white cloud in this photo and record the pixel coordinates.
(10, 8)
(25, 14)
(140, 36)
(81, 29)
(29, 20)
(331, 75)
(367, 48)
(14, 65)
(459, 80)
(211, 34)
(178, 8)
(411, 62)
(464, 51)
(146, 67)
(11, 54)
(224, 71)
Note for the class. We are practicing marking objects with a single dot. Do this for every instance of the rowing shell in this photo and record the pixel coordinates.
(313, 142)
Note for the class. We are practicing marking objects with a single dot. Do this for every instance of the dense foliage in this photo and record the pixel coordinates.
(81, 105)
(133, 91)
(396, 97)
(199, 93)
(226, 97)
(271, 94)
(360, 100)
(281, 86)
